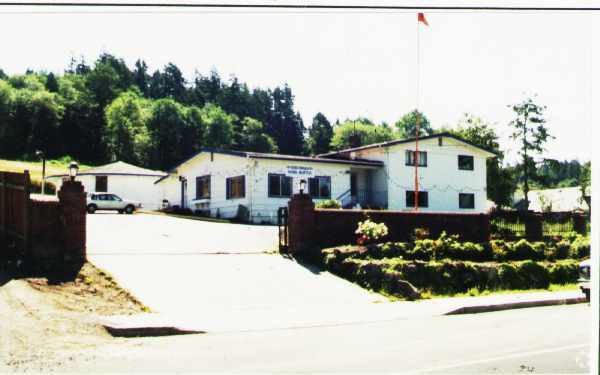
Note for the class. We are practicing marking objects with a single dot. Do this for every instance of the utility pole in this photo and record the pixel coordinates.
(41, 154)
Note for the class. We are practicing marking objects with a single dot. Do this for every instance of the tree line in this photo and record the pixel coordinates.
(105, 111)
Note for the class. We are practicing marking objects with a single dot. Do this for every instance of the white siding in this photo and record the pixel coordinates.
(262, 207)
(136, 188)
(441, 178)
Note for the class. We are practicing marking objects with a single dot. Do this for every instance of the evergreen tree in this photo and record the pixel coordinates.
(530, 131)
(141, 78)
(320, 134)
(51, 83)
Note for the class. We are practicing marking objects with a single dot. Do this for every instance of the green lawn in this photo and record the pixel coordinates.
(35, 168)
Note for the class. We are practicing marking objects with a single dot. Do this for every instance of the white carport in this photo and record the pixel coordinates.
(125, 180)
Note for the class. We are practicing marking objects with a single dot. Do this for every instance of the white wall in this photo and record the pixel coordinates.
(262, 207)
(441, 178)
(137, 188)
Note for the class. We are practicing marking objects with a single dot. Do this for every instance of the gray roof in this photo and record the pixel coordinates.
(118, 168)
(260, 155)
(341, 153)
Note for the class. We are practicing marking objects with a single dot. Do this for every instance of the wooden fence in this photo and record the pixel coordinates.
(15, 210)
(40, 229)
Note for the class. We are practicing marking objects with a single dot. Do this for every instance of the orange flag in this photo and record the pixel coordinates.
(421, 18)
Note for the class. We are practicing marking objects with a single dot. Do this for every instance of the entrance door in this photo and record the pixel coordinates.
(353, 189)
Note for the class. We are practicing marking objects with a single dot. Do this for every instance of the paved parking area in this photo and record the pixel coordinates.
(112, 233)
(179, 266)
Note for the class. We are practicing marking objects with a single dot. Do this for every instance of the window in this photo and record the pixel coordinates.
(410, 158)
(320, 187)
(423, 199)
(466, 200)
(236, 187)
(102, 183)
(465, 162)
(280, 186)
(203, 187)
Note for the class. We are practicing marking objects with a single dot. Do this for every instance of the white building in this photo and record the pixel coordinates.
(125, 180)
(554, 200)
(452, 178)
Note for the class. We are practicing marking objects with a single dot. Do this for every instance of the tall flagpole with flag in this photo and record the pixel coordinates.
(420, 19)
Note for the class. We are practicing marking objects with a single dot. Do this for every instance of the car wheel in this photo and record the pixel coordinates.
(587, 294)
(91, 208)
(129, 209)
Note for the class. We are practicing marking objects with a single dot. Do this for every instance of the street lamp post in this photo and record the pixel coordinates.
(73, 169)
(302, 186)
(40, 154)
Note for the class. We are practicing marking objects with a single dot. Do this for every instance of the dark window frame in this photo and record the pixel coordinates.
(228, 187)
(461, 166)
(409, 158)
(199, 181)
(410, 199)
(460, 201)
(318, 195)
(101, 185)
(282, 178)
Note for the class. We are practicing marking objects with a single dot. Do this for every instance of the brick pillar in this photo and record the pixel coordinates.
(484, 235)
(72, 213)
(579, 224)
(533, 226)
(301, 223)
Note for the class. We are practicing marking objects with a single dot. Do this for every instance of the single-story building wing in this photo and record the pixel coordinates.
(125, 180)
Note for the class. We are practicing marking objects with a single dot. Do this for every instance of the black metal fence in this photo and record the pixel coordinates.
(513, 224)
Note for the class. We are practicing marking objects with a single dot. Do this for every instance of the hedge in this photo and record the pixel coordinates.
(451, 276)
(448, 247)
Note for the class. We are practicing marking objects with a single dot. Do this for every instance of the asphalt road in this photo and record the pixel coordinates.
(535, 340)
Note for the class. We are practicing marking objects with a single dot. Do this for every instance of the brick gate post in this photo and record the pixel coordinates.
(534, 226)
(301, 223)
(72, 208)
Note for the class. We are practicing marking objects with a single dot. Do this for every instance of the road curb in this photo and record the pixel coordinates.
(148, 331)
(516, 305)
(143, 325)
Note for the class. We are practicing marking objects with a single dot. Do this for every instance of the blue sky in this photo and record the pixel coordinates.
(348, 64)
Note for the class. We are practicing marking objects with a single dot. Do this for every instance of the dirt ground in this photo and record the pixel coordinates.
(44, 327)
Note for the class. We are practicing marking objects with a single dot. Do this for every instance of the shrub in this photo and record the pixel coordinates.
(370, 231)
(523, 250)
(564, 272)
(389, 250)
(328, 203)
(580, 248)
(534, 275)
(562, 249)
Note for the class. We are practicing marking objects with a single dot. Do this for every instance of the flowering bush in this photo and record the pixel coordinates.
(369, 231)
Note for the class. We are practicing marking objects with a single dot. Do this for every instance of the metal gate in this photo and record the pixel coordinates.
(282, 224)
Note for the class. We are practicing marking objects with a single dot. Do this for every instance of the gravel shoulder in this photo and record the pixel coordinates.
(45, 327)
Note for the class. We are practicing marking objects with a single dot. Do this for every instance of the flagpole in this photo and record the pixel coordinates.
(416, 157)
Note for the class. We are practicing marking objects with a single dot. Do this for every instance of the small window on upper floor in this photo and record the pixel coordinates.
(465, 162)
(410, 158)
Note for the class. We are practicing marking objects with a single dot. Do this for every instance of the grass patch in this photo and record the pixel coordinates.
(53, 167)
(474, 292)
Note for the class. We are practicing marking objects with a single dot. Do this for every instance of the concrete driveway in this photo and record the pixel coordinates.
(182, 266)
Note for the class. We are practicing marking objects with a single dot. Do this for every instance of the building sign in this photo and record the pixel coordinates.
(299, 171)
